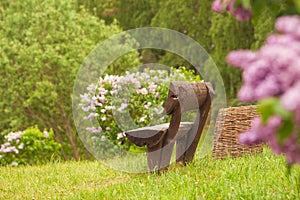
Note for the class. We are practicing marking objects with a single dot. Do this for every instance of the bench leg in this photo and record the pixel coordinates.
(154, 156)
(193, 139)
(169, 138)
(181, 149)
(166, 154)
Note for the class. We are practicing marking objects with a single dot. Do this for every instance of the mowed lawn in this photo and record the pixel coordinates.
(263, 176)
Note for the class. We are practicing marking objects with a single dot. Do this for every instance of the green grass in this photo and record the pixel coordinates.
(262, 176)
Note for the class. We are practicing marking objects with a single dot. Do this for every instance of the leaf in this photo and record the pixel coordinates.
(258, 7)
(266, 108)
(279, 110)
(246, 4)
(297, 5)
(271, 107)
(286, 129)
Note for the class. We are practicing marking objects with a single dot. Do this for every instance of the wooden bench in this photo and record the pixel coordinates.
(160, 139)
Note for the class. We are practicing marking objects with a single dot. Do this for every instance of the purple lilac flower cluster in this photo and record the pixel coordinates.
(238, 11)
(13, 144)
(111, 94)
(141, 94)
(273, 71)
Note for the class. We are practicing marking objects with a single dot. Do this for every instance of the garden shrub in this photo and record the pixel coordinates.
(116, 100)
(43, 44)
(31, 146)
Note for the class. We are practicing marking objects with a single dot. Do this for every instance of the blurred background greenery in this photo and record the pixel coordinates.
(43, 43)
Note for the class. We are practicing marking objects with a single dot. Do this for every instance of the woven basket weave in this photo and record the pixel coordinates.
(230, 123)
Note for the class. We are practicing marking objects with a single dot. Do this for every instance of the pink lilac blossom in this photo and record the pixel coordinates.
(91, 116)
(9, 149)
(290, 101)
(21, 146)
(96, 102)
(267, 133)
(114, 92)
(102, 91)
(217, 6)
(241, 13)
(46, 134)
(241, 58)
(103, 110)
(85, 98)
(94, 129)
(101, 99)
(142, 119)
(110, 107)
(122, 107)
(142, 91)
(273, 71)
(158, 110)
(102, 138)
(157, 95)
(96, 96)
(152, 87)
(92, 88)
(238, 11)
(148, 105)
(13, 136)
(87, 108)
(120, 135)
(259, 132)
(289, 25)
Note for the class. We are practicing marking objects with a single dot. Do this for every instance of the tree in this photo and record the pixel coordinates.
(192, 18)
(129, 13)
(218, 34)
(43, 44)
(227, 34)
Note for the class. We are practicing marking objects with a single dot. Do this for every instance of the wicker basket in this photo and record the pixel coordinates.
(230, 123)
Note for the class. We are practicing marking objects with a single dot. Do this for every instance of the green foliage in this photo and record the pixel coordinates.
(263, 25)
(129, 13)
(31, 146)
(272, 107)
(229, 34)
(245, 3)
(104, 9)
(135, 14)
(218, 34)
(43, 44)
(264, 16)
(192, 18)
(297, 5)
(128, 102)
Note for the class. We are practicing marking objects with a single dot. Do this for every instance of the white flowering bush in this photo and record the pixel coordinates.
(126, 102)
(31, 146)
